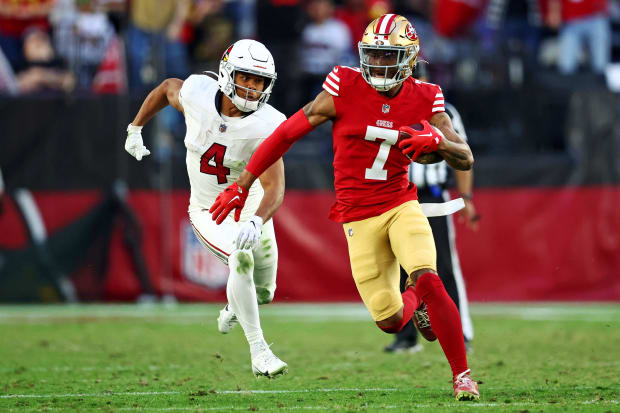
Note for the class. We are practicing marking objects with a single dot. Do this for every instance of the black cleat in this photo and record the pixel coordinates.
(403, 346)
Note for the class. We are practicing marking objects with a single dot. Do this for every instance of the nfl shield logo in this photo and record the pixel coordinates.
(199, 266)
(222, 128)
(385, 108)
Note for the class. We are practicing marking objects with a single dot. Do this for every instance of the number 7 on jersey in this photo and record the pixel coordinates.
(390, 137)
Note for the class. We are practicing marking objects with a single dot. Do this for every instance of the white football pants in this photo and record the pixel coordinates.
(220, 240)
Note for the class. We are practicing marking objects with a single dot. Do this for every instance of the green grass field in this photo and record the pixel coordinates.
(528, 358)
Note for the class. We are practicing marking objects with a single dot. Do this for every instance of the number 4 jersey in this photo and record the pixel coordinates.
(219, 147)
(370, 172)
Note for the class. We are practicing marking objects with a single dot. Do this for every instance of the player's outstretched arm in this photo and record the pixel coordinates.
(321, 109)
(167, 93)
(272, 181)
(453, 148)
(163, 95)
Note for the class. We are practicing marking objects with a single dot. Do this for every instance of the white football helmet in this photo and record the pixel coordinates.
(247, 56)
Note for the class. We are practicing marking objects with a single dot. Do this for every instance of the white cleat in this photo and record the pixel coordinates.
(226, 321)
(265, 363)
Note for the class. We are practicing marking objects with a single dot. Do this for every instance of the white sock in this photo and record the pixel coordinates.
(241, 294)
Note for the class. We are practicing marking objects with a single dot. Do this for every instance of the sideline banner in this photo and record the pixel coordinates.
(534, 244)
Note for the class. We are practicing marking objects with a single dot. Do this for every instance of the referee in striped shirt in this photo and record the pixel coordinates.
(432, 180)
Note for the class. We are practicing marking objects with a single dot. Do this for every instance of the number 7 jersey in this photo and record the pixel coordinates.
(370, 171)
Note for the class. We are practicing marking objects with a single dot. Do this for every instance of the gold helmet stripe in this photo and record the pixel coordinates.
(385, 23)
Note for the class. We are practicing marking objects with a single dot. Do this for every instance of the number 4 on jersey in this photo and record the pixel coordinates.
(216, 154)
(390, 137)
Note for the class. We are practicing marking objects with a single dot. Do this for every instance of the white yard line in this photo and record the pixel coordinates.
(197, 313)
(64, 395)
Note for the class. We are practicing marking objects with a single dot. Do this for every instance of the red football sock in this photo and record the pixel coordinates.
(445, 320)
(410, 303)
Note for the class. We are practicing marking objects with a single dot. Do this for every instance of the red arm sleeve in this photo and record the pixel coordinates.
(272, 149)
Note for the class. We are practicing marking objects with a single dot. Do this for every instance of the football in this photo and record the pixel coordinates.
(425, 158)
(416, 126)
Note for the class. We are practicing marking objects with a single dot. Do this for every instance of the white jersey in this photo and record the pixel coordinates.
(218, 148)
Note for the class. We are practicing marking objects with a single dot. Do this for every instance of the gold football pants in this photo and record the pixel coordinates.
(379, 245)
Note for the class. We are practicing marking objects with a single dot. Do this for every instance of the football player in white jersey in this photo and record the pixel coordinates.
(226, 121)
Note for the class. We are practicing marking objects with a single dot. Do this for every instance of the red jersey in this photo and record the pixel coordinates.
(581, 9)
(370, 173)
(14, 21)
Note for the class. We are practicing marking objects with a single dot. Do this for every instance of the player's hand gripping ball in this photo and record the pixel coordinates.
(419, 139)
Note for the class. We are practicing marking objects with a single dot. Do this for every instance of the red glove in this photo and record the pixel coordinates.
(418, 141)
(231, 198)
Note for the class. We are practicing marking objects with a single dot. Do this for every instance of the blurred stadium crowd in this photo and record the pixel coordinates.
(509, 51)
(111, 46)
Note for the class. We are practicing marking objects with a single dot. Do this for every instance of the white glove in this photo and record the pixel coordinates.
(249, 233)
(134, 144)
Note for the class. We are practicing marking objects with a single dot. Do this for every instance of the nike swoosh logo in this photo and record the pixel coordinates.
(237, 197)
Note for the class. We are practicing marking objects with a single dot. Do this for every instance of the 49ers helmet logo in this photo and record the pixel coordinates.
(411, 33)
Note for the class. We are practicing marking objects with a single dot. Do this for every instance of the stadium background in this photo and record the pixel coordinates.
(83, 221)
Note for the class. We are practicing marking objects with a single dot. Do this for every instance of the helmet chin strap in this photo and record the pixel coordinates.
(383, 85)
(243, 104)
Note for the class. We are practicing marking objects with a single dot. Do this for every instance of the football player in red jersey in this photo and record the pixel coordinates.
(372, 108)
